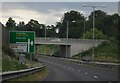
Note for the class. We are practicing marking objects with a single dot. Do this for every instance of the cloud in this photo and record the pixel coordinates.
(51, 17)
(46, 12)
(61, 1)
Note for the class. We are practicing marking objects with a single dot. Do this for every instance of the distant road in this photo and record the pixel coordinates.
(63, 70)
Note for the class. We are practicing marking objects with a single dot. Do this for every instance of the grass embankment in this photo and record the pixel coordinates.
(48, 49)
(10, 62)
(106, 52)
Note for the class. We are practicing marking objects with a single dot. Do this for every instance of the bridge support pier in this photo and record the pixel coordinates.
(64, 49)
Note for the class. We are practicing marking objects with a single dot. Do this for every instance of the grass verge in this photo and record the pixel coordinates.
(10, 64)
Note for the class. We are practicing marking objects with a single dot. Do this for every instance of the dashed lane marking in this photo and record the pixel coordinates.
(73, 69)
(78, 70)
(69, 68)
(109, 82)
(86, 73)
(95, 76)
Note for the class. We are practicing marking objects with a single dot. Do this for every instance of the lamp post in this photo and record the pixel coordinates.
(67, 35)
(93, 7)
(84, 27)
(45, 40)
(67, 38)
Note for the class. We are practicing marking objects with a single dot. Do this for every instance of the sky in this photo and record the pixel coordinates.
(49, 12)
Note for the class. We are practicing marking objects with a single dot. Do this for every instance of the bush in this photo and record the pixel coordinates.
(27, 56)
(98, 34)
(8, 51)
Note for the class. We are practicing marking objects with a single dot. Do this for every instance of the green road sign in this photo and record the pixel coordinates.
(22, 41)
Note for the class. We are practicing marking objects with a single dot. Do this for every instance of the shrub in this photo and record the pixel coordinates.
(27, 56)
(8, 51)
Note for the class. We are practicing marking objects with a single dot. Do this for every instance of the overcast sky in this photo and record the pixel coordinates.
(49, 12)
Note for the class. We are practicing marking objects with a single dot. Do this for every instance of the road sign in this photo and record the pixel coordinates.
(22, 41)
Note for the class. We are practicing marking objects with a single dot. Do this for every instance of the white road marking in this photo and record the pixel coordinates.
(109, 82)
(73, 69)
(51, 62)
(86, 73)
(95, 76)
(69, 68)
(65, 66)
(78, 70)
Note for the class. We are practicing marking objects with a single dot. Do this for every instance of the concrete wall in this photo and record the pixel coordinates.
(78, 48)
(65, 50)
(0, 41)
(5, 36)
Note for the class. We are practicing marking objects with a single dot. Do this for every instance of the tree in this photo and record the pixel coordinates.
(77, 26)
(98, 34)
(33, 25)
(21, 26)
(108, 24)
(10, 24)
(51, 31)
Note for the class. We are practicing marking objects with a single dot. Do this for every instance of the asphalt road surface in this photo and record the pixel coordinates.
(63, 70)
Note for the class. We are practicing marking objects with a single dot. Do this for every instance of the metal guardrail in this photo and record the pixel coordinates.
(14, 74)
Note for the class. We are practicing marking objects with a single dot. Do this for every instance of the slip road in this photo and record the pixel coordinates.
(63, 70)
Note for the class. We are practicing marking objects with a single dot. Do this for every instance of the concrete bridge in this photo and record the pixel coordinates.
(70, 46)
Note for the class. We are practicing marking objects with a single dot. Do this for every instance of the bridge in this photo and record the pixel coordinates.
(70, 46)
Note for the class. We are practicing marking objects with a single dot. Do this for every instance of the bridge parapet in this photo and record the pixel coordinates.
(64, 41)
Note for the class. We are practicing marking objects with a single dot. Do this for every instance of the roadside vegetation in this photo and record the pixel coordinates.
(10, 60)
(48, 49)
(105, 52)
(10, 64)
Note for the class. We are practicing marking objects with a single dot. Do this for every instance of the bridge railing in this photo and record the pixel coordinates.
(64, 40)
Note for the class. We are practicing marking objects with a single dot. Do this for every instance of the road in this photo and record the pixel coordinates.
(63, 70)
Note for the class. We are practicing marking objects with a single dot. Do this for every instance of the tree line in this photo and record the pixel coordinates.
(106, 26)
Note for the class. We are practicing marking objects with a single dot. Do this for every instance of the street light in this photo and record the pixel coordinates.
(84, 26)
(45, 40)
(67, 32)
(93, 7)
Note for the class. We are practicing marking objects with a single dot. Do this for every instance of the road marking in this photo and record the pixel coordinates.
(95, 76)
(78, 70)
(86, 73)
(73, 69)
(69, 68)
(109, 82)
(51, 62)
(65, 66)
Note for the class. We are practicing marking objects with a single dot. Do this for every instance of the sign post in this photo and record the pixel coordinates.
(23, 41)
